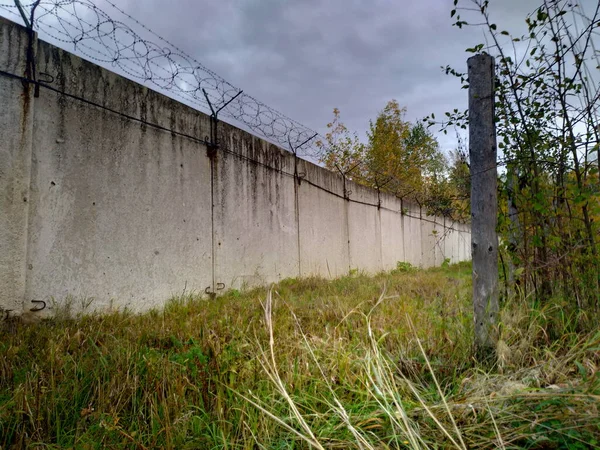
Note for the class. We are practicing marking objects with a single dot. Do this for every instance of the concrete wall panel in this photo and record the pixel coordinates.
(120, 211)
(412, 234)
(364, 230)
(450, 247)
(428, 241)
(256, 231)
(438, 228)
(323, 225)
(392, 242)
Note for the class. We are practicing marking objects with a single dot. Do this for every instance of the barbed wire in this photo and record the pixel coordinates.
(93, 33)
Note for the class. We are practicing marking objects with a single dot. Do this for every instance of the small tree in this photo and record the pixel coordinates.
(547, 116)
(400, 158)
(404, 156)
(341, 151)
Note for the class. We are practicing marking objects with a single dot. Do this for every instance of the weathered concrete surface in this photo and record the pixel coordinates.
(16, 119)
(484, 203)
(256, 230)
(392, 234)
(465, 239)
(412, 234)
(364, 228)
(428, 241)
(432, 240)
(120, 211)
(323, 223)
(450, 244)
(100, 209)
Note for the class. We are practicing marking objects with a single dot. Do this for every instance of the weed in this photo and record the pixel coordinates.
(402, 266)
(327, 364)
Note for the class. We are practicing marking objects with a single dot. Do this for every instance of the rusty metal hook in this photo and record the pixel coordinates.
(49, 80)
(38, 308)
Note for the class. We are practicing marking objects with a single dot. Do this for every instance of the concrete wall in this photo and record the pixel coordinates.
(16, 118)
(108, 197)
(364, 227)
(392, 232)
(323, 223)
(256, 232)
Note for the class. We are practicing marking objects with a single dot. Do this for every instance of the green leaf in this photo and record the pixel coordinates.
(475, 49)
(541, 15)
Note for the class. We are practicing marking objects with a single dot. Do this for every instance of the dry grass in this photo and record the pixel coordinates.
(359, 362)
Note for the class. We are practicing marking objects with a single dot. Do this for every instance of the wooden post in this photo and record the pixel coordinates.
(484, 204)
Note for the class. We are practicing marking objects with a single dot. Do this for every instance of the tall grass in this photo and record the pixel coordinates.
(358, 362)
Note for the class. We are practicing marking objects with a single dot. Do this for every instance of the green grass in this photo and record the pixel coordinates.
(358, 362)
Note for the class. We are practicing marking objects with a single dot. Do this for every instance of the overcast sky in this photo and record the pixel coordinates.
(305, 57)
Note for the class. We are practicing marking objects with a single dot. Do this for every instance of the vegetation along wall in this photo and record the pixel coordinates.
(110, 197)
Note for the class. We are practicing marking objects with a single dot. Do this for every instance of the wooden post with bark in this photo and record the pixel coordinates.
(484, 204)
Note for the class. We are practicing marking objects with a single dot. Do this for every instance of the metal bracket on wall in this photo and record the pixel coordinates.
(347, 192)
(213, 140)
(49, 80)
(378, 187)
(41, 303)
(299, 176)
(29, 22)
(22, 12)
(219, 287)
